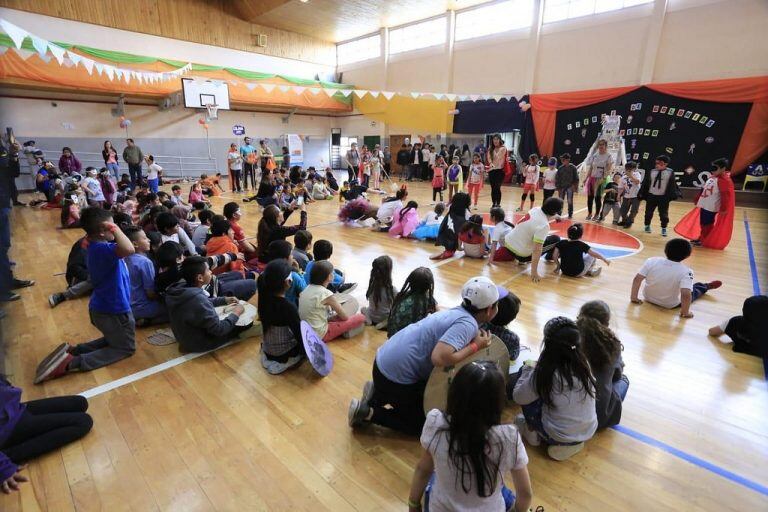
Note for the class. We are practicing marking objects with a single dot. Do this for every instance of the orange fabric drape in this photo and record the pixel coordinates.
(754, 139)
(545, 107)
(36, 72)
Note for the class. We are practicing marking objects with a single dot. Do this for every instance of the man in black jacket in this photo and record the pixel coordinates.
(7, 282)
(402, 158)
(567, 181)
(415, 160)
(659, 188)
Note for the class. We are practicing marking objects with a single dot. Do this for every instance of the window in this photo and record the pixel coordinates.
(418, 35)
(557, 10)
(360, 49)
(495, 18)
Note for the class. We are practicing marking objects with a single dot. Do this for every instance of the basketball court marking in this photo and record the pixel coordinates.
(755, 277)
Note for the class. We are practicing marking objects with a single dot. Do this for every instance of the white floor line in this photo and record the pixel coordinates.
(128, 379)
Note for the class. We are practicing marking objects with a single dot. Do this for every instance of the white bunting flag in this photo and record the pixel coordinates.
(415, 95)
(474, 97)
(17, 34)
(127, 76)
(330, 92)
(298, 89)
(251, 86)
(438, 95)
(99, 67)
(41, 45)
(110, 71)
(315, 90)
(24, 54)
(360, 93)
(375, 94)
(388, 95)
(67, 62)
(346, 92)
(451, 97)
(268, 87)
(462, 97)
(284, 88)
(57, 51)
(74, 57)
(497, 97)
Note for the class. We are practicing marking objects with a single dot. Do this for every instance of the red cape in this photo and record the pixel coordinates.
(720, 236)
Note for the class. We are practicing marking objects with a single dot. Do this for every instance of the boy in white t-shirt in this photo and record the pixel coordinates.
(500, 229)
(550, 173)
(669, 283)
(153, 173)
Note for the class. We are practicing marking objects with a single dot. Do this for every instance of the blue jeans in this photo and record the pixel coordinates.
(699, 289)
(115, 170)
(135, 171)
(6, 277)
(507, 494)
(153, 184)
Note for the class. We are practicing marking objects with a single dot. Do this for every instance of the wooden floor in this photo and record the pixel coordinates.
(219, 433)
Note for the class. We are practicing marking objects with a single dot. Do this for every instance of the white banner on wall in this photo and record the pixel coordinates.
(295, 149)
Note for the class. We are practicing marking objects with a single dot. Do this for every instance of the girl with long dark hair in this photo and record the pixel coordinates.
(497, 159)
(415, 301)
(558, 393)
(380, 294)
(111, 159)
(405, 220)
(470, 450)
(448, 235)
(603, 351)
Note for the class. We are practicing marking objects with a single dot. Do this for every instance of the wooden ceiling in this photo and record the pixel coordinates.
(339, 20)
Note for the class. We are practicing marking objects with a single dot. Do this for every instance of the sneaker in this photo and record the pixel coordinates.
(663, 231)
(56, 299)
(647, 229)
(10, 297)
(347, 287)
(21, 283)
(19, 203)
(714, 285)
(382, 326)
(57, 353)
(696, 243)
(564, 452)
(599, 219)
(531, 436)
(595, 271)
(358, 413)
(353, 332)
(367, 393)
(518, 209)
(55, 368)
(589, 217)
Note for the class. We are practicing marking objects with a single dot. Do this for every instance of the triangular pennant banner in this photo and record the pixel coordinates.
(360, 93)
(438, 95)
(45, 58)
(375, 94)
(415, 95)
(41, 45)
(388, 95)
(57, 51)
(127, 76)
(268, 87)
(315, 90)
(74, 57)
(284, 88)
(17, 34)
(451, 97)
(233, 82)
(99, 67)
(110, 71)
(346, 92)
(330, 92)
(462, 97)
(474, 97)
(67, 62)
(251, 86)
(24, 54)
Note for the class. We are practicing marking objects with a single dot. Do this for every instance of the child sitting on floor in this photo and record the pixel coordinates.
(78, 282)
(221, 242)
(168, 226)
(574, 257)
(380, 293)
(282, 346)
(500, 229)
(200, 234)
(301, 241)
(747, 331)
(474, 237)
(468, 451)
(316, 301)
(603, 351)
(557, 393)
(669, 283)
(405, 220)
(176, 197)
(430, 224)
(194, 321)
(508, 308)
(414, 302)
(110, 305)
(323, 250)
(282, 250)
(146, 305)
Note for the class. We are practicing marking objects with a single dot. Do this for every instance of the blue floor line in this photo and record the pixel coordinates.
(696, 461)
(755, 277)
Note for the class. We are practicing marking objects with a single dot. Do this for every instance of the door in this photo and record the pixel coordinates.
(395, 141)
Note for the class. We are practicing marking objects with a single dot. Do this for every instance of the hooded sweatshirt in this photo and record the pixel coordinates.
(11, 410)
(194, 321)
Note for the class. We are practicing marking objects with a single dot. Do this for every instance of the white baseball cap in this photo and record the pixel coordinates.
(480, 292)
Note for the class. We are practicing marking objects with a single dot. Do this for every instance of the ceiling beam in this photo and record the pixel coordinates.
(250, 10)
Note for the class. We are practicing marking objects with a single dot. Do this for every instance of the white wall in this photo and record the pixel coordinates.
(107, 38)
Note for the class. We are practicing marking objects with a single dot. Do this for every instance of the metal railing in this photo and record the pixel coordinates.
(174, 166)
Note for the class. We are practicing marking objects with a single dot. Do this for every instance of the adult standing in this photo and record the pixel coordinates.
(658, 189)
(599, 166)
(265, 153)
(403, 364)
(235, 165)
(109, 153)
(465, 160)
(7, 282)
(387, 155)
(248, 152)
(497, 158)
(68, 162)
(402, 158)
(353, 162)
(567, 181)
(15, 169)
(426, 154)
(415, 160)
(133, 157)
(286, 164)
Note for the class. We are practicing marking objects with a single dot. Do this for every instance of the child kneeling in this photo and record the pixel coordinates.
(315, 301)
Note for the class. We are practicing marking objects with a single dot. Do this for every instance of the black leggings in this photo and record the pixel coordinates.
(495, 178)
(598, 203)
(435, 192)
(47, 425)
(406, 404)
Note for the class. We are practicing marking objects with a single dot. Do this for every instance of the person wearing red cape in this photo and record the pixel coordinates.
(710, 224)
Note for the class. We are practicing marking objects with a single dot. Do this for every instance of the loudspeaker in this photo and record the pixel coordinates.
(335, 139)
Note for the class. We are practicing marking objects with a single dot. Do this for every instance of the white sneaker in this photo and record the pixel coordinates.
(531, 436)
(595, 271)
(561, 452)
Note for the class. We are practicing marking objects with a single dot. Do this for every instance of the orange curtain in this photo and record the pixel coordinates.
(754, 140)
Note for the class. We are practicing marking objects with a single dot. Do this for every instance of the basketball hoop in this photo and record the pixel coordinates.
(213, 111)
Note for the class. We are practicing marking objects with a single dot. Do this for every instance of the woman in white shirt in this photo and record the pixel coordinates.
(468, 451)
(235, 163)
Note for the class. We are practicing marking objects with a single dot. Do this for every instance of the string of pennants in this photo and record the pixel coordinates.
(47, 50)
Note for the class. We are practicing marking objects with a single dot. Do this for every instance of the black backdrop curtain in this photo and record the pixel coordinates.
(488, 116)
